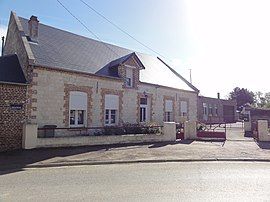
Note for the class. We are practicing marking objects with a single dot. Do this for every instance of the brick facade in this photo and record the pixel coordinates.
(135, 71)
(11, 119)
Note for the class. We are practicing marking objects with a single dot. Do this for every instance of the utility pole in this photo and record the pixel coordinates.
(190, 77)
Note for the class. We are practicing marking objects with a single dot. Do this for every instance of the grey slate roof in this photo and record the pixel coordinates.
(111, 68)
(10, 70)
(61, 49)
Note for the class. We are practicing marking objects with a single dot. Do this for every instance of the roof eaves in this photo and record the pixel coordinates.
(14, 83)
(28, 50)
(139, 60)
(78, 72)
(167, 87)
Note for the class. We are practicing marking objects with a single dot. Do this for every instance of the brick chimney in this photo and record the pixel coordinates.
(33, 28)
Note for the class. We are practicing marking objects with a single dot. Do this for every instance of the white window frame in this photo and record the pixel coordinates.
(129, 77)
(216, 110)
(210, 111)
(183, 112)
(205, 109)
(169, 111)
(110, 123)
(144, 108)
(78, 102)
(168, 116)
(111, 104)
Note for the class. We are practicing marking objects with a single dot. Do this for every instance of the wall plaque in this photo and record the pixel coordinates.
(16, 106)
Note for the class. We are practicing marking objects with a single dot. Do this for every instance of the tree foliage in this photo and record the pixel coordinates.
(262, 100)
(242, 96)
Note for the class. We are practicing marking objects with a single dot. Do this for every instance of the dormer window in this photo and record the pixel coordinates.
(129, 77)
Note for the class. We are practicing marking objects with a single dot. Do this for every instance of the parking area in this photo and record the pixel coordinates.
(235, 131)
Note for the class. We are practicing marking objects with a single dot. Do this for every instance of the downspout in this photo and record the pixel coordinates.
(3, 42)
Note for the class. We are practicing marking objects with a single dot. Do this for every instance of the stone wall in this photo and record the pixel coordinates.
(49, 98)
(167, 134)
(16, 42)
(12, 97)
(263, 131)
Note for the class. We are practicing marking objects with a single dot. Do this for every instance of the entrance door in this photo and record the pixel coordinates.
(143, 110)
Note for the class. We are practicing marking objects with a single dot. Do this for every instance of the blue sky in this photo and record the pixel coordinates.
(225, 43)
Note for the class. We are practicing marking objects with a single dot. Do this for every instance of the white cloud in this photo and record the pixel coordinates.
(3, 32)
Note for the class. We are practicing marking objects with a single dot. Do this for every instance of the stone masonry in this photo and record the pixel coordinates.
(52, 107)
(11, 117)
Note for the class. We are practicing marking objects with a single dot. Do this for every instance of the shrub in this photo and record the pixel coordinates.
(111, 130)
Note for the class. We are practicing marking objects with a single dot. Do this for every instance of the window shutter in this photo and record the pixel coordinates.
(78, 100)
(183, 106)
(111, 102)
(168, 105)
(129, 73)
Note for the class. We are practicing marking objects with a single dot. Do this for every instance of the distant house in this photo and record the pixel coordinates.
(252, 114)
(75, 81)
(216, 110)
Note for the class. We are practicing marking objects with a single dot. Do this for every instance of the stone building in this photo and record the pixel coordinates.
(76, 81)
(12, 103)
(216, 110)
(251, 115)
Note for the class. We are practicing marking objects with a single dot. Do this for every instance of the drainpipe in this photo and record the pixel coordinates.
(3, 41)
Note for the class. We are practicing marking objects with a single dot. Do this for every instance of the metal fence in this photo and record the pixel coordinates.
(47, 132)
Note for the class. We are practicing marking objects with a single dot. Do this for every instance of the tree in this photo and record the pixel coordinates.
(242, 97)
(262, 100)
(267, 99)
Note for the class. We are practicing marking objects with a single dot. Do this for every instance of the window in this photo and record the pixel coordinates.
(205, 109)
(168, 110)
(77, 109)
(210, 110)
(129, 77)
(216, 110)
(111, 109)
(143, 109)
(110, 117)
(183, 108)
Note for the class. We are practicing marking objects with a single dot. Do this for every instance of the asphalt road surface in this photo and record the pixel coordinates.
(218, 181)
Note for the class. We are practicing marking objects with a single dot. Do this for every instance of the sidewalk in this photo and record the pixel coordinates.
(159, 152)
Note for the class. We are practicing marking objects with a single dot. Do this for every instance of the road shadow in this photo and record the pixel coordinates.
(248, 134)
(16, 161)
(164, 144)
(263, 145)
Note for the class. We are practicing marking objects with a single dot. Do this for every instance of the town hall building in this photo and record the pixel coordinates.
(75, 81)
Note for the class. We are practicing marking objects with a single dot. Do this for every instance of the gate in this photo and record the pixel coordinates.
(216, 131)
(180, 131)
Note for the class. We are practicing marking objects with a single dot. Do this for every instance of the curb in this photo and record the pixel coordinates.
(80, 163)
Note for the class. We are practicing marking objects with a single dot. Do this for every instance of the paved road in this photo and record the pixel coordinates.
(218, 181)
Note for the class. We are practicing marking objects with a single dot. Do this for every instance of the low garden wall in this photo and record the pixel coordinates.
(31, 139)
(263, 131)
